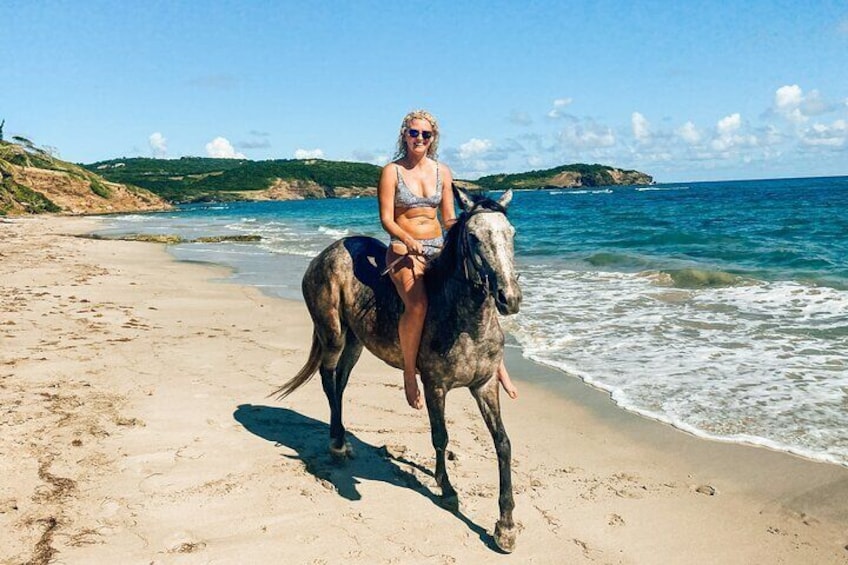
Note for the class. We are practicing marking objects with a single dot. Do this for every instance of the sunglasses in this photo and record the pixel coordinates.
(416, 133)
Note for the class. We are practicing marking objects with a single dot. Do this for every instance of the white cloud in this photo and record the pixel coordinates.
(821, 135)
(728, 136)
(559, 105)
(308, 154)
(158, 144)
(221, 148)
(787, 102)
(372, 157)
(729, 124)
(474, 148)
(587, 136)
(689, 133)
(788, 97)
(797, 107)
(641, 127)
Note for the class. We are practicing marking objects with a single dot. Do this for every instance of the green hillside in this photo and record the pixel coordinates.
(191, 179)
(197, 178)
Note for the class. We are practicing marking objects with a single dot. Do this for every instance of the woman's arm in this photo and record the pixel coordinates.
(447, 208)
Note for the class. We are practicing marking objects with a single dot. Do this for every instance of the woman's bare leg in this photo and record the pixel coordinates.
(506, 382)
(409, 282)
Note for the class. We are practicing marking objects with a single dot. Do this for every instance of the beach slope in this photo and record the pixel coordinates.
(135, 424)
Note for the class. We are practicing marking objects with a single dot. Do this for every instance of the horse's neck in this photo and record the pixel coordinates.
(458, 303)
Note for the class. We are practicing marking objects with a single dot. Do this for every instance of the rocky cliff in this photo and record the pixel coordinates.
(32, 181)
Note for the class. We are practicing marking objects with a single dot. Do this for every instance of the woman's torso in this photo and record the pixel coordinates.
(416, 205)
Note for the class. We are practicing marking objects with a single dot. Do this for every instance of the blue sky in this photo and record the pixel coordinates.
(682, 90)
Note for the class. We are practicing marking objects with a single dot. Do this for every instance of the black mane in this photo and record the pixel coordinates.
(448, 260)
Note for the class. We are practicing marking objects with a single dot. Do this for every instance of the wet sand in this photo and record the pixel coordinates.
(135, 424)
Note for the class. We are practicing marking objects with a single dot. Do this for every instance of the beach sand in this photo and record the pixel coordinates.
(135, 428)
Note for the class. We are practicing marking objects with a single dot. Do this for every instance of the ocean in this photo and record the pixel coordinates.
(718, 307)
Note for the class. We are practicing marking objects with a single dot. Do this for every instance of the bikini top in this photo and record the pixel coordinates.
(405, 198)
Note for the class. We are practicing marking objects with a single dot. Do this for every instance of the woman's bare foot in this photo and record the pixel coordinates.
(506, 382)
(413, 393)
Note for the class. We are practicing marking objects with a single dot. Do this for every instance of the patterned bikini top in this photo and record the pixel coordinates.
(405, 198)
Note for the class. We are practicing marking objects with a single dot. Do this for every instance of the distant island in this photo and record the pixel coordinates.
(33, 181)
(567, 176)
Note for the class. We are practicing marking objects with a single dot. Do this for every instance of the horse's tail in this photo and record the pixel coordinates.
(305, 372)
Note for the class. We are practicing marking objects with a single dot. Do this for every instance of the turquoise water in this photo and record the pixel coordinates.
(721, 308)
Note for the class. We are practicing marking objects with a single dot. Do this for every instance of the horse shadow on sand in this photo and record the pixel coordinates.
(309, 438)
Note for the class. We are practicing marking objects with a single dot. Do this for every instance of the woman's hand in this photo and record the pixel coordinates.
(413, 246)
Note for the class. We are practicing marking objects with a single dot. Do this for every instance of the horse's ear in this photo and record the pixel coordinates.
(505, 199)
(465, 201)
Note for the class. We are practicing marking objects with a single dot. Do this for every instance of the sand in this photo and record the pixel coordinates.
(135, 428)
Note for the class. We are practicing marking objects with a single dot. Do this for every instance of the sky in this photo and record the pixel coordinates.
(681, 90)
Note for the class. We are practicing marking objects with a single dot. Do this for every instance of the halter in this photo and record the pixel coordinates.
(472, 262)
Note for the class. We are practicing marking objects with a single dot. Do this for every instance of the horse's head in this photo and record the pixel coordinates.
(486, 248)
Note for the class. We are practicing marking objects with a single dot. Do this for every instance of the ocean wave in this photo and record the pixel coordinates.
(618, 260)
(333, 232)
(700, 278)
(660, 188)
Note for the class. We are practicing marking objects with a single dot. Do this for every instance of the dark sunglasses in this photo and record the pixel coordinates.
(416, 133)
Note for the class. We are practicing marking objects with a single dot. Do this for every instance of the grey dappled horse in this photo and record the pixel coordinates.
(468, 283)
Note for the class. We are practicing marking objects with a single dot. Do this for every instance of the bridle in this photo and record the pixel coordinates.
(476, 270)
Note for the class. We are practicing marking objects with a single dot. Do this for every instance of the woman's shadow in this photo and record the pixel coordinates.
(310, 438)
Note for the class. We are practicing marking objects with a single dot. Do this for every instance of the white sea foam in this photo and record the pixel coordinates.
(763, 363)
(660, 188)
(334, 233)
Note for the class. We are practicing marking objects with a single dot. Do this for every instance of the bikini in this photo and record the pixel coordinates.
(405, 198)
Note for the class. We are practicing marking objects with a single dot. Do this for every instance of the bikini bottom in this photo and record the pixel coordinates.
(431, 246)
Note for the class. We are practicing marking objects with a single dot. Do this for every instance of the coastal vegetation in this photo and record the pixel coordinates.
(33, 180)
(192, 179)
(566, 176)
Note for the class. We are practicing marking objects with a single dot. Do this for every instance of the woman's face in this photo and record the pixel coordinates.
(419, 135)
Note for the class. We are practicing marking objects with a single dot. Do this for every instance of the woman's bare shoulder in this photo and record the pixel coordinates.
(445, 170)
(388, 169)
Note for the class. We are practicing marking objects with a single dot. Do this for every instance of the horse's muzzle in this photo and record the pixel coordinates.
(508, 300)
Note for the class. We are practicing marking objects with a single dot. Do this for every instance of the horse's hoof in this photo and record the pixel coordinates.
(343, 452)
(505, 538)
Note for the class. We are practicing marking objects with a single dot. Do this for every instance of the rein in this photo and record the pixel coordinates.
(476, 271)
(472, 262)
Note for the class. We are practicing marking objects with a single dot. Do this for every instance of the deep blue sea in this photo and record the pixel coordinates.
(720, 307)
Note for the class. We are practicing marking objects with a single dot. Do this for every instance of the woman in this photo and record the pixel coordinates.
(412, 189)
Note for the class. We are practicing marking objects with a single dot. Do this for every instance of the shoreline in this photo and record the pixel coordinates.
(136, 423)
(569, 391)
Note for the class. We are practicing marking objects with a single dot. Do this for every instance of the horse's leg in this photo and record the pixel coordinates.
(334, 387)
(487, 399)
(332, 338)
(439, 434)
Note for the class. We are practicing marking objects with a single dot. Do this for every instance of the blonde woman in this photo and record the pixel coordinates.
(415, 189)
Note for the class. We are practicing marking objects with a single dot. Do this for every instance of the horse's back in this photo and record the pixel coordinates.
(346, 265)
(344, 289)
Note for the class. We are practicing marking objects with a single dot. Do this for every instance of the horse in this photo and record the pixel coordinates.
(472, 279)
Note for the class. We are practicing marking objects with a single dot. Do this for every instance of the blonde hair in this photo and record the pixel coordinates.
(432, 148)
